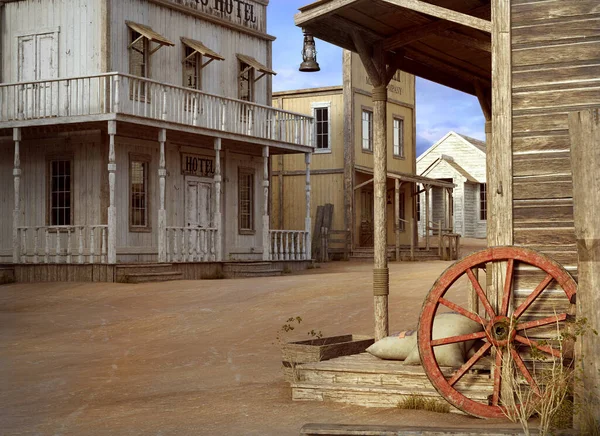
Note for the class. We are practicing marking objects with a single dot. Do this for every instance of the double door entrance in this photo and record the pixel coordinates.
(198, 202)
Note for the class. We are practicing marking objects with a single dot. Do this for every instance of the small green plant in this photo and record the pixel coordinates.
(419, 402)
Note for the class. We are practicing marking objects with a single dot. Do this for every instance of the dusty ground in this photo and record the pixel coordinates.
(188, 357)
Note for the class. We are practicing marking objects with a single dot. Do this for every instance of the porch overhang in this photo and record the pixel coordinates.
(444, 41)
(411, 178)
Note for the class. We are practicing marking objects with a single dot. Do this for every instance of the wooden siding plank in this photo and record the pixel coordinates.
(541, 164)
(547, 236)
(542, 187)
(555, 30)
(524, 13)
(557, 53)
(557, 98)
(536, 76)
(541, 143)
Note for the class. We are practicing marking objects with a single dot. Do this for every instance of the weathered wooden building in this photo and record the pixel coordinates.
(342, 164)
(139, 131)
(461, 160)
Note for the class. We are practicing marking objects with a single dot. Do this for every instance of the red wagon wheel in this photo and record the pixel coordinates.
(499, 333)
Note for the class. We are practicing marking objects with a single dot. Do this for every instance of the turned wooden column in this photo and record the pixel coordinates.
(584, 129)
(162, 213)
(112, 210)
(307, 222)
(17, 193)
(217, 217)
(266, 224)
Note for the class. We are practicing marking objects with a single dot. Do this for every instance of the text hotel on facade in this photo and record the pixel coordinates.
(140, 131)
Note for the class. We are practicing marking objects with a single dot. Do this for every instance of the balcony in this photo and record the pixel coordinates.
(107, 96)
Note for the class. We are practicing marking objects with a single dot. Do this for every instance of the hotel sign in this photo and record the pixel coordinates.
(197, 165)
(243, 12)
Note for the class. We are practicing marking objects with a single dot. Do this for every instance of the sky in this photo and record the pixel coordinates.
(439, 109)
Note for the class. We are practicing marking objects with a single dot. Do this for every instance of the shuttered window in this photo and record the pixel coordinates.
(60, 207)
(246, 200)
(246, 82)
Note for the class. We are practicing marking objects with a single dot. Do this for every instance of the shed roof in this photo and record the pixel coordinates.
(445, 41)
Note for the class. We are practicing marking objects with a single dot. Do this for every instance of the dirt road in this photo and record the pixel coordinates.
(188, 357)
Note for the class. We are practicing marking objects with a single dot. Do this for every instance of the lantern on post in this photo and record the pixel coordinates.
(309, 55)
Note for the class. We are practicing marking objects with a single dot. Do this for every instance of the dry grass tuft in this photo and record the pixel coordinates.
(419, 402)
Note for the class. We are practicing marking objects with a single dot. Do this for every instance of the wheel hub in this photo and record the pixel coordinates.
(500, 332)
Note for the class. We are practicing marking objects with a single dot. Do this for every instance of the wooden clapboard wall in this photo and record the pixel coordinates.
(555, 70)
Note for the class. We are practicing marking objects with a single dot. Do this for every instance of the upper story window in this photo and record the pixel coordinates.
(60, 192)
(250, 71)
(398, 134)
(196, 56)
(140, 50)
(483, 201)
(367, 130)
(322, 115)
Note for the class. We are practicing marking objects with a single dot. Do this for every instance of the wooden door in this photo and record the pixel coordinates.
(198, 200)
(366, 219)
(27, 67)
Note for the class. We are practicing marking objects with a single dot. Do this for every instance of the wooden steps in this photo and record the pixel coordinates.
(421, 254)
(365, 380)
(146, 273)
(250, 269)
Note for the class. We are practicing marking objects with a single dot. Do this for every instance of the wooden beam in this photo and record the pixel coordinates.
(443, 13)
(368, 182)
(468, 41)
(310, 13)
(484, 95)
(366, 54)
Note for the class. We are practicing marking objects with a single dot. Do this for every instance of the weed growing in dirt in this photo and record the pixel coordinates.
(419, 402)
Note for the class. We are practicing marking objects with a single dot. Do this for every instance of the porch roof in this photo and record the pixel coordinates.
(412, 178)
(445, 41)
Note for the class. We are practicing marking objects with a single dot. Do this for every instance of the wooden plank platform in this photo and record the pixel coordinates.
(365, 380)
(393, 430)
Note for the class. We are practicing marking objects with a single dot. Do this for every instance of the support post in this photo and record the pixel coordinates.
(217, 217)
(17, 193)
(397, 216)
(162, 213)
(440, 240)
(307, 223)
(112, 210)
(413, 231)
(584, 129)
(427, 217)
(266, 228)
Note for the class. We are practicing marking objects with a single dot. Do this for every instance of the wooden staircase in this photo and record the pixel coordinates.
(421, 254)
(146, 273)
(365, 380)
(250, 269)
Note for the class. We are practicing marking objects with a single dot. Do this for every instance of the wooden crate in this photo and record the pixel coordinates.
(316, 350)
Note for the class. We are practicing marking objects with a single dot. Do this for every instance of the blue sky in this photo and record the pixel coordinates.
(439, 109)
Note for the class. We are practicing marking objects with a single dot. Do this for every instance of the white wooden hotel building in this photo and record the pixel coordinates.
(139, 131)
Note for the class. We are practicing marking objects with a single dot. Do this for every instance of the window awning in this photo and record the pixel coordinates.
(255, 64)
(148, 33)
(198, 47)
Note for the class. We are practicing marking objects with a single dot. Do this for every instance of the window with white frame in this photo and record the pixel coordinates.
(321, 113)
(60, 188)
(138, 192)
(483, 201)
(398, 134)
(246, 200)
(367, 130)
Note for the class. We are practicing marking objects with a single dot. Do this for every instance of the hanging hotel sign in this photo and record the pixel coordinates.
(247, 13)
(197, 165)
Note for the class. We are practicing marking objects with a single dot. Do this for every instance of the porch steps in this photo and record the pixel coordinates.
(7, 274)
(421, 254)
(147, 272)
(367, 381)
(233, 270)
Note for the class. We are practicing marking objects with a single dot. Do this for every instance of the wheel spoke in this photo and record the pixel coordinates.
(464, 312)
(482, 297)
(537, 291)
(521, 365)
(455, 339)
(507, 287)
(542, 322)
(546, 348)
(469, 364)
(497, 377)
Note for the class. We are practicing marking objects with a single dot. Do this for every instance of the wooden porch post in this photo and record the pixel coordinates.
(266, 233)
(397, 216)
(162, 213)
(112, 210)
(217, 217)
(17, 187)
(307, 223)
(584, 128)
(426, 216)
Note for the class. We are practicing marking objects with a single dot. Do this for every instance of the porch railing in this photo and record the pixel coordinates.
(289, 245)
(191, 244)
(113, 93)
(63, 244)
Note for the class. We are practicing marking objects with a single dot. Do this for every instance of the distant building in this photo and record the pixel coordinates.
(460, 160)
(342, 164)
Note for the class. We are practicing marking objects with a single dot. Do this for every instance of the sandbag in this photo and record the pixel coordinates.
(446, 325)
(396, 346)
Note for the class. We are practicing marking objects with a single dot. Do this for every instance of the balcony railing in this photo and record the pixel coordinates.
(116, 93)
